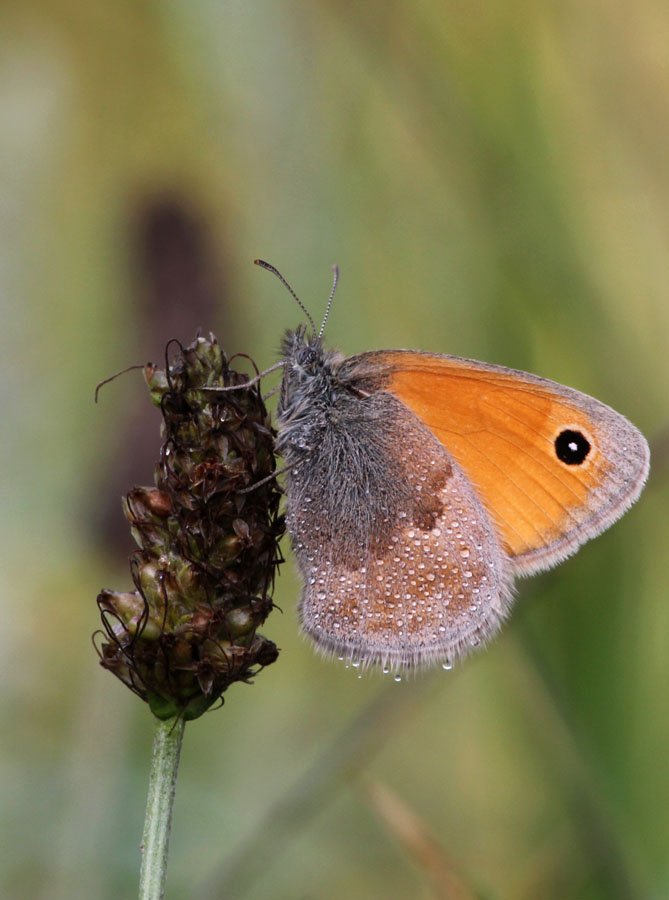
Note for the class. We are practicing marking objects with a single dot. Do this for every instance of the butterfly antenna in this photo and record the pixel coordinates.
(270, 268)
(335, 269)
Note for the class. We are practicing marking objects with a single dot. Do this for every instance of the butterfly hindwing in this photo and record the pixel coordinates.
(400, 561)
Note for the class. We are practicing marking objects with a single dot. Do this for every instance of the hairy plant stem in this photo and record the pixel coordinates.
(167, 740)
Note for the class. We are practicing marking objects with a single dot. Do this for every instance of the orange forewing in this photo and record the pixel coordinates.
(500, 426)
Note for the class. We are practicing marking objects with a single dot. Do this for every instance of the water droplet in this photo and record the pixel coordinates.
(398, 678)
(448, 665)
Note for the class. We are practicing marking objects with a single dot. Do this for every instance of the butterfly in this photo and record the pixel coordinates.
(419, 485)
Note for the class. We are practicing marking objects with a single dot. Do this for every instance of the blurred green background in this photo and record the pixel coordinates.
(492, 180)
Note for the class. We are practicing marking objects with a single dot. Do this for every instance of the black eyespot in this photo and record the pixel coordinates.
(572, 447)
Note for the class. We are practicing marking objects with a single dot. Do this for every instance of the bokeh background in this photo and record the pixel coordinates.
(493, 181)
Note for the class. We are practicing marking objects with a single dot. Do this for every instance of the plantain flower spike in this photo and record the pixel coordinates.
(208, 547)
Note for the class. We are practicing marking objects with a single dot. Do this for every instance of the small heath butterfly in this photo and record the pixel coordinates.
(419, 485)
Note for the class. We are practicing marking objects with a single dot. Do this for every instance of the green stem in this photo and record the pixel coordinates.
(158, 820)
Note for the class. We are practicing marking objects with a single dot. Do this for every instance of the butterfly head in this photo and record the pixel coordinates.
(302, 351)
(308, 375)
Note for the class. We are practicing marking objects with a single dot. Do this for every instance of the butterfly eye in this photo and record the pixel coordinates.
(572, 447)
